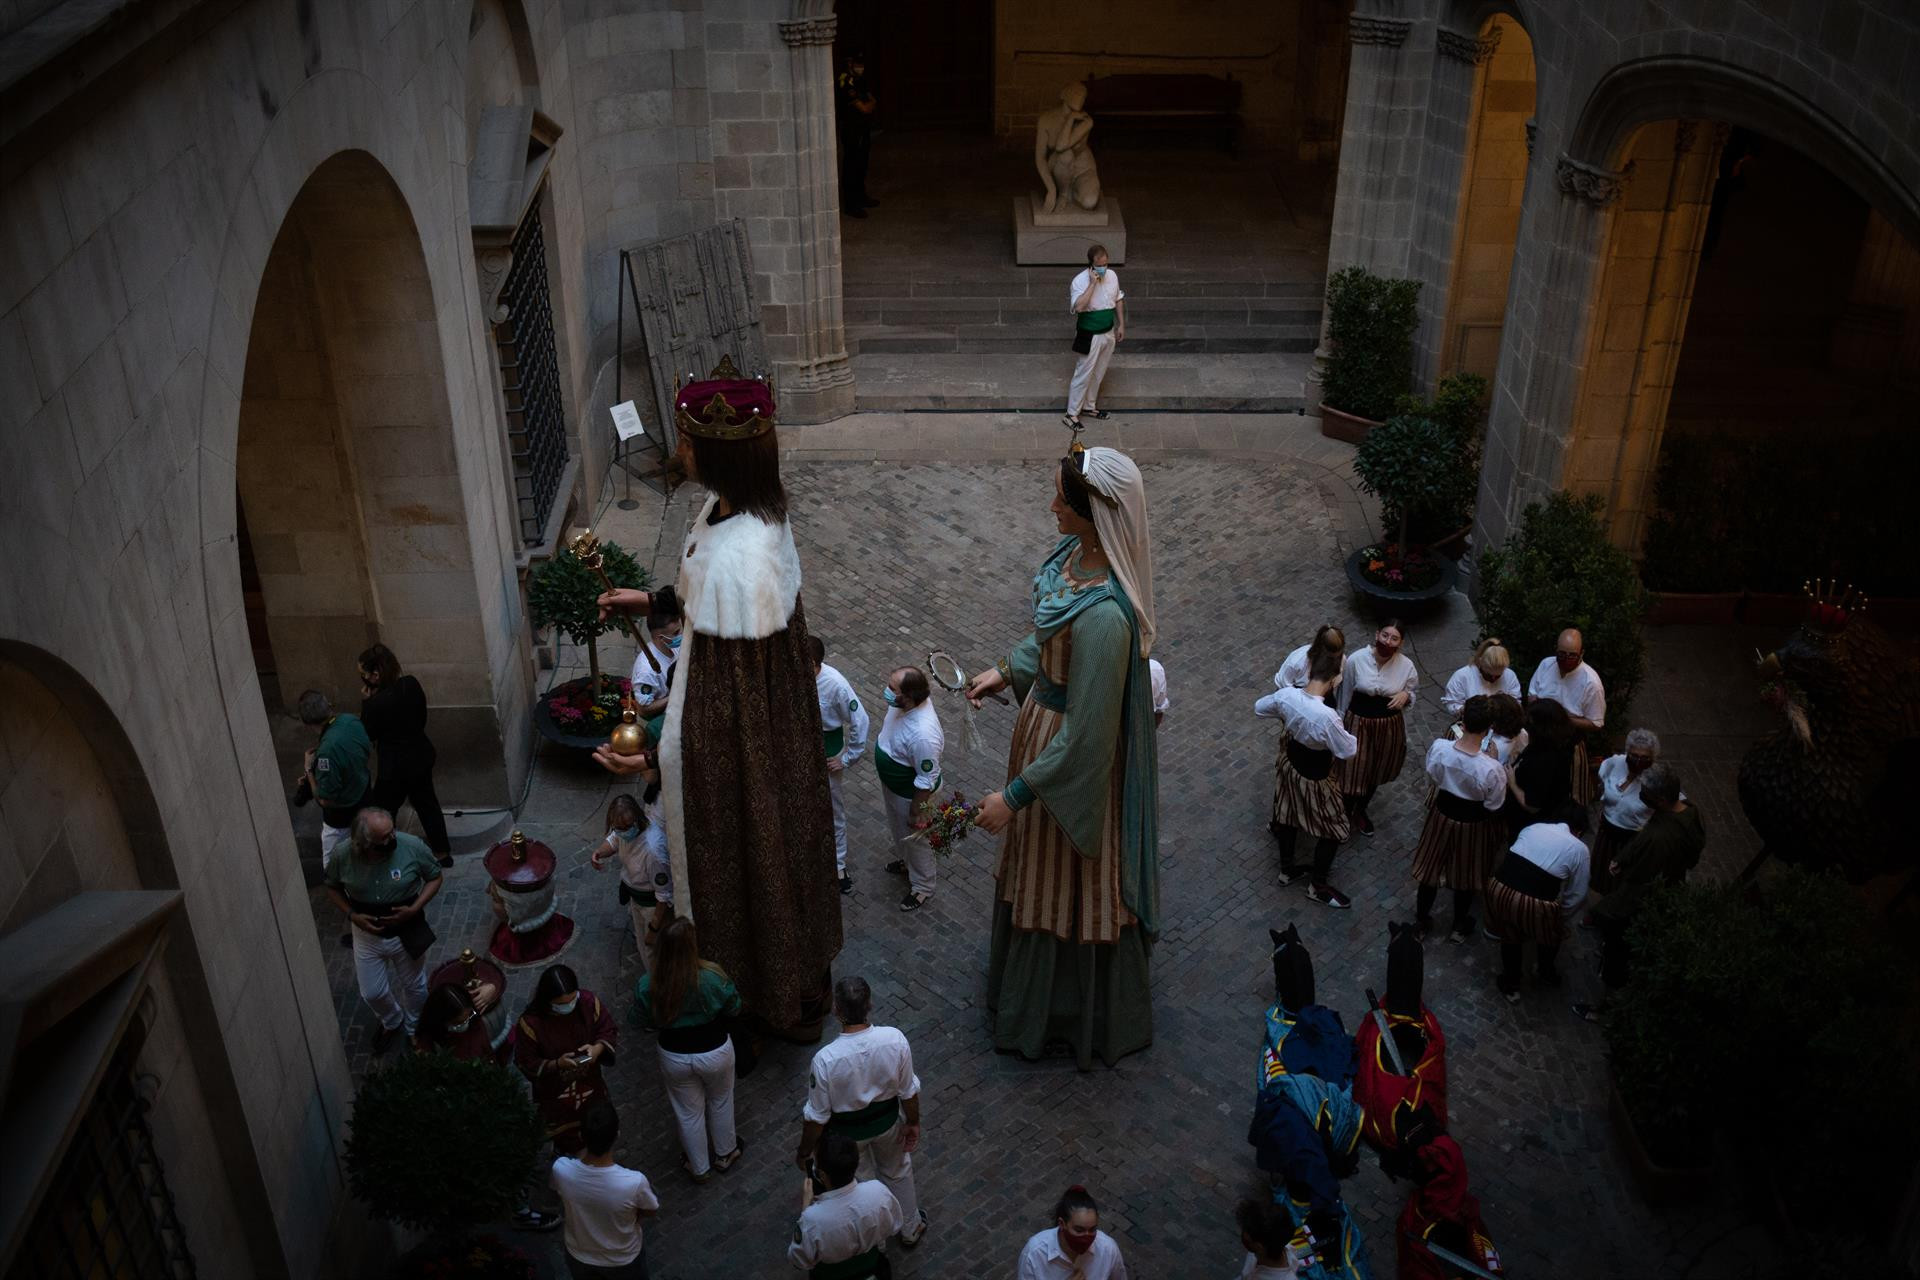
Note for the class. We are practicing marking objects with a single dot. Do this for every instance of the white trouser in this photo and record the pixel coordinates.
(390, 980)
(917, 854)
(886, 1158)
(642, 916)
(700, 1087)
(836, 787)
(331, 838)
(1083, 393)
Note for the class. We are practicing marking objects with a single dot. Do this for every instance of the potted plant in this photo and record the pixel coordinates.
(561, 593)
(1559, 570)
(1370, 323)
(1760, 1023)
(442, 1146)
(1459, 403)
(1423, 476)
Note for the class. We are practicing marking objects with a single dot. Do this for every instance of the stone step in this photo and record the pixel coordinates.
(1042, 339)
(1052, 284)
(1136, 381)
(927, 312)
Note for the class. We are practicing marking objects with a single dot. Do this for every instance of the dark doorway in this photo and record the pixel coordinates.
(255, 601)
(930, 65)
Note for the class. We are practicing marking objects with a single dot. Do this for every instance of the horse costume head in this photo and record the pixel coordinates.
(1292, 969)
(1406, 970)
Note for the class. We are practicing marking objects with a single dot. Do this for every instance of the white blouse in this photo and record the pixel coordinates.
(1505, 750)
(1552, 847)
(1467, 682)
(1366, 674)
(1471, 777)
(1293, 672)
(1579, 691)
(1309, 722)
(1620, 801)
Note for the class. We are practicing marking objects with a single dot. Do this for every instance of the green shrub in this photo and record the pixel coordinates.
(1370, 323)
(438, 1144)
(1453, 479)
(1558, 570)
(1766, 1013)
(1419, 470)
(561, 593)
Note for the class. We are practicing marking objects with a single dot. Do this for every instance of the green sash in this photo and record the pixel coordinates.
(894, 776)
(835, 740)
(858, 1267)
(868, 1122)
(1096, 321)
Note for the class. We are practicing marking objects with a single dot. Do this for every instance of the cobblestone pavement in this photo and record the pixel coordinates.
(900, 558)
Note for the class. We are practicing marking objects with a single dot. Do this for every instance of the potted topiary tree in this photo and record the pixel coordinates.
(1459, 403)
(561, 593)
(442, 1146)
(1414, 466)
(1370, 323)
(1559, 570)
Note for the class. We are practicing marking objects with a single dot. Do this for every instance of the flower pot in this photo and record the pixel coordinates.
(1660, 1185)
(1693, 608)
(1338, 425)
(551, 728)
(1386, 600)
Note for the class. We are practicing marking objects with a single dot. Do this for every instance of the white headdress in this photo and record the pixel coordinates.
(1120, 518)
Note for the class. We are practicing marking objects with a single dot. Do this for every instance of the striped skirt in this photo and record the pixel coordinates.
(1583, 792)
(1608, 841)
(1314, 807)
(1459, 855)
(1383, 750)
(1514, 916)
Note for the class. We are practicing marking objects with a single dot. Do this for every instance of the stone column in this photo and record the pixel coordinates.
(1543, 343)
(812, 372)
(1449, 120)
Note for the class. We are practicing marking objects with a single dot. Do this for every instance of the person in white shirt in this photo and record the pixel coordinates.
(1074, 1246)
(1158, 675)
(1535, 893)
(1462, 837)
(604, 1203)
(1266, 1232)
(1381, 683)
(1568, 680)
(1490, 672)
(646, 884)
(1293, 671)
(1622, 812)
(862, 1086)
(1100, 311)
(1508, 736)
(843, 722)
(906, 755)
(654, 662)
(846, 1222)
(1305, 796)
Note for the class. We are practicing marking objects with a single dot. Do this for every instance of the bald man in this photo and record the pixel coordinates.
(1566, 678)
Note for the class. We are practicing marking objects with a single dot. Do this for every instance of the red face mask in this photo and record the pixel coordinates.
(1078, 1242)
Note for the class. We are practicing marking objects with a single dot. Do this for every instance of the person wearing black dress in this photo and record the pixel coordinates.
(395, 714)
(1542, 778)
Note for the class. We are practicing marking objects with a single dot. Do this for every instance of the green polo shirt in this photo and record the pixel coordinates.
(340, 762)
(393, 881)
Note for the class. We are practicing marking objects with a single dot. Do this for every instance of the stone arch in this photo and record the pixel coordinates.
(80, 818)
(1671, 86)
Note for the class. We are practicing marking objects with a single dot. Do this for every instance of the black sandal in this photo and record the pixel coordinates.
(1099, 415)
(726, 1162)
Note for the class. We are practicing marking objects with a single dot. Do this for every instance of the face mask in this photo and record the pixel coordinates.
(673, 642)
(893, 699)
(628, 833)
(1077, 1241)
(564, 1007)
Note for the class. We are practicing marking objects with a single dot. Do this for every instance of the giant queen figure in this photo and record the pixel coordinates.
(743, 784)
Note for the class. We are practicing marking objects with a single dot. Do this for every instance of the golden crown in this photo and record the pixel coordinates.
(719, 418)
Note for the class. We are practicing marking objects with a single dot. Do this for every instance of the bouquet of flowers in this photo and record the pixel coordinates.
(952, 819)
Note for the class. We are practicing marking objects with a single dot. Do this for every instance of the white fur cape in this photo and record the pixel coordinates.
(739, 580)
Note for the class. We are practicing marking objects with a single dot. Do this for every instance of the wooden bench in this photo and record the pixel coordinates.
(1165, 103)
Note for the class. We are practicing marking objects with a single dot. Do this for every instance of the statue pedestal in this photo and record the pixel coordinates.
(1061, 238)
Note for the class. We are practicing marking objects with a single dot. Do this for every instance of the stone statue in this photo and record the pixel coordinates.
(1061, 154)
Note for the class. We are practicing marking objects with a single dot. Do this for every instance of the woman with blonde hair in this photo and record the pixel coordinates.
(686, 1001)
(1490, 672)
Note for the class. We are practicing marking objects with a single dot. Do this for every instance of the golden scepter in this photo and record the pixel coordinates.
(626, 738)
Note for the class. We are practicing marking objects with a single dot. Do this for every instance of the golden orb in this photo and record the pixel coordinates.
(626, 739)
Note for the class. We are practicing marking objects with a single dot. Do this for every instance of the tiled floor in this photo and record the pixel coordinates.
(1250, 518)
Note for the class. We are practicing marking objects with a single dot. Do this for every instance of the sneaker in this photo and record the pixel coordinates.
(914, 901)
(1289, 874)
(533, 1220)
(918, 1232)
(1462, 932)
(1330, 896)
(846, 885)
(898, 867)
(1363, 824)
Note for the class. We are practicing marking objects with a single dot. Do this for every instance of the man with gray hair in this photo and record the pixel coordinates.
(862, 1086)
(335, 772)
(382, 883)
